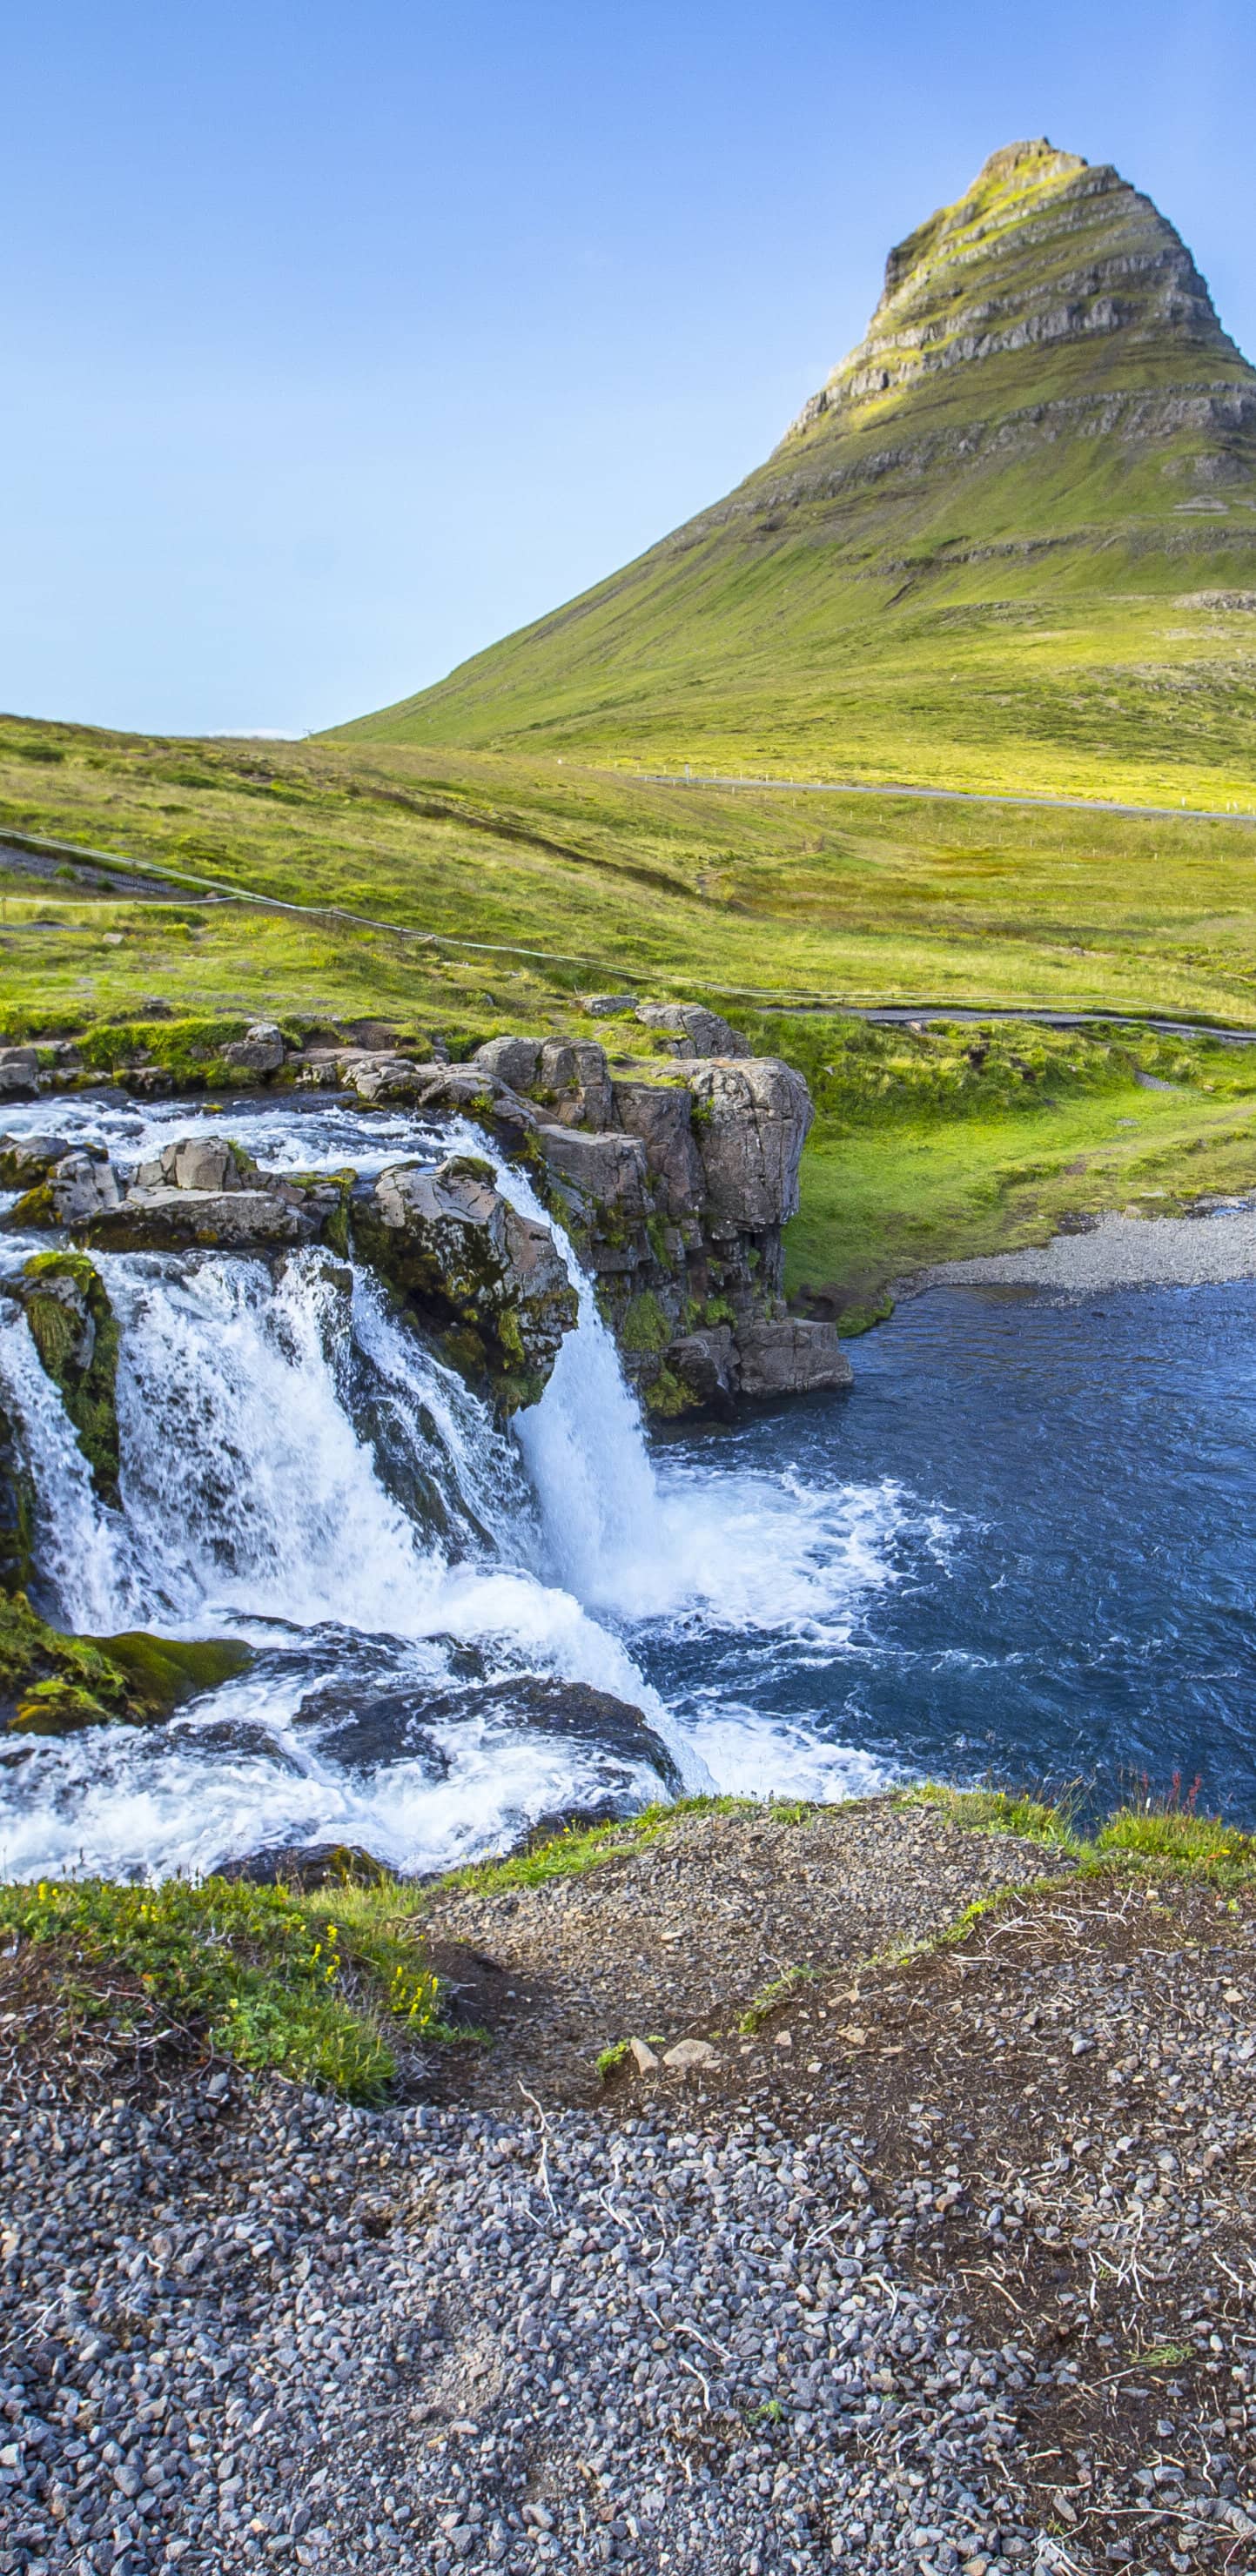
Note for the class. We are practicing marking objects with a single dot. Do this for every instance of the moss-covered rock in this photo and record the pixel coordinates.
(75, 1332)
(490, 1283)
(55, 1684)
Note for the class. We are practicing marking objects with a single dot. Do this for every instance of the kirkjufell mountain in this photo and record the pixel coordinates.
(1012, 539)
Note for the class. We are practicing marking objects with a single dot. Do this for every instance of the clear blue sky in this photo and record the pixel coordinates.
(344, 339)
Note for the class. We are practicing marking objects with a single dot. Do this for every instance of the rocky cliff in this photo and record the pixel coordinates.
(674, 1179)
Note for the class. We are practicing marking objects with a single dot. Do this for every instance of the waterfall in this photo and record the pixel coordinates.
(298, 1468)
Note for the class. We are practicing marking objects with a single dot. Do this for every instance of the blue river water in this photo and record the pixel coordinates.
(1063, 1563)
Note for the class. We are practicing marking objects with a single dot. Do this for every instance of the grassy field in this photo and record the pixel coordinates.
(462, 896)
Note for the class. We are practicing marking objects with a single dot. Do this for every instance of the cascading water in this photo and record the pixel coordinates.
(299, 1470)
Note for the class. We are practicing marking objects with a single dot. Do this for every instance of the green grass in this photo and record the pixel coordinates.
(759, 904)
(1156, 1833)
(323, 1988)
(584, 1847)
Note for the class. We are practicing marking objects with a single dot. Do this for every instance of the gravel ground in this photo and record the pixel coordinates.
(950, 2271)
(681, 1936)
(1120, 1252)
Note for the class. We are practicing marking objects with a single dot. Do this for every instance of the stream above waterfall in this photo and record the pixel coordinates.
(1020, 1546)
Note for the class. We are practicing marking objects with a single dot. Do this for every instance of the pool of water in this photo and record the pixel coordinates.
(1061, 1540)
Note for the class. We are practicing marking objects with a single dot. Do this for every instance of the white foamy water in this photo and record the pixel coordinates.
(300, 1470)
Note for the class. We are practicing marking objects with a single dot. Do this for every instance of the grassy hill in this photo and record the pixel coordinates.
(1011, 543)
(464, 894)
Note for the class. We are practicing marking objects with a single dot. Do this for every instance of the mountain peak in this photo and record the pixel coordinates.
(1041, 250)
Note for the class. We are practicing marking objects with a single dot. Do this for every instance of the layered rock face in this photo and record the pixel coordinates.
(675, 1183)
(496, 1278)
(1042, 249)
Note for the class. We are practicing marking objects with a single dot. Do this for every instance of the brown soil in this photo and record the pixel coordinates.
(677, 1939)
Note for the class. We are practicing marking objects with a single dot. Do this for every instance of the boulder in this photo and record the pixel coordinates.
(663, 1119)
(260, 1050)
(458, 1090)
(699, 1032)
(751, 1122)
(791, 1357)
(307, 1867)
(493, 1281)
(577, 1076)
(365, 1723)
(169, 1219)
(513, 1061)
(197, 1163)
(72, 1191)
(19, 1073)
(703, 1366)
(607, 1172)
(27, 1159)
(617, 1732)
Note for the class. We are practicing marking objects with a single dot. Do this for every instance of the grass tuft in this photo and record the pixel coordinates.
(323, 1988)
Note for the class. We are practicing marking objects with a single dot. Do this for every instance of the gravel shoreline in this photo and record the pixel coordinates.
(1118, 1252)
(947, 2271)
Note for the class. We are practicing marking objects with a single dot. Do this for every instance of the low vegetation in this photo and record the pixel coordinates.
(1150, 1831)
(329, 1988)
(335, 1986)
(53, 1683)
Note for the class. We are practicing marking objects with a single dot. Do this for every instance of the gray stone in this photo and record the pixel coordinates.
(752, 1121)
(663, 1119)
(576, 1073)
(705, 1364)
(193, 1163)
(476, 1266)
(260, 1050)
(19, 1070)
(82, 1186)
(608, 1171)
(166, 1218)
(792, 1357)
(689, 2055)
(513, 1061)
(699, 1031)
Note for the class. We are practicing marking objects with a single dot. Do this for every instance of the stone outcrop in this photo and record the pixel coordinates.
(1042, 249)
(675, 1180)
(674, 1177)
(490, 1282)
(204, 1191)
(696, 1030)
(260, 1050)
(792, 1357)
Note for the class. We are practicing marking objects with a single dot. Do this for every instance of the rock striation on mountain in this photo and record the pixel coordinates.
(1033, 482)
(1043, 250)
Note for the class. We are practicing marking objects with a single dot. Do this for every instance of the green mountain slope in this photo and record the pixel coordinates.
(1011, 542)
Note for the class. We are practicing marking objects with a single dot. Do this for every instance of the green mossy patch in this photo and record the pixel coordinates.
(52, 1683)
(644, 1326)
(667, 1396)
(75, 1332)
